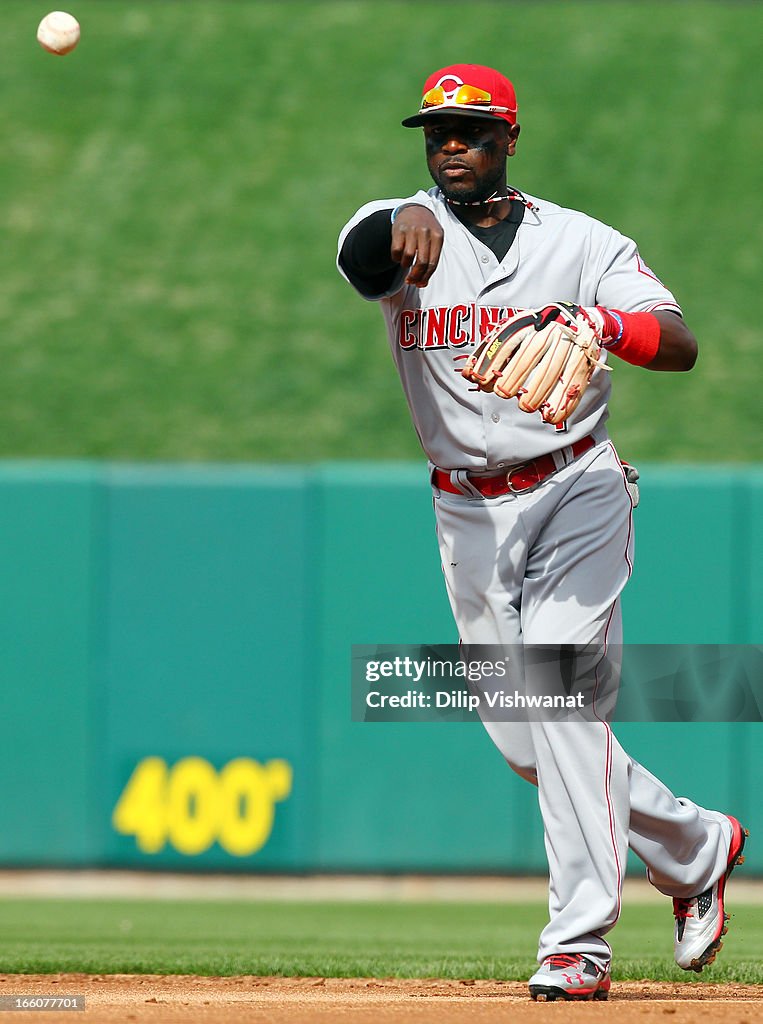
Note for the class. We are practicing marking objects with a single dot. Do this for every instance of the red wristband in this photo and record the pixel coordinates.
(635, 337)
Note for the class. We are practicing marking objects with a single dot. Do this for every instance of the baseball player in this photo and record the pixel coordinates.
(504, 312)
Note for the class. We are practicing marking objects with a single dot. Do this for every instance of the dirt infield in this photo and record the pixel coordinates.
(182, 1000)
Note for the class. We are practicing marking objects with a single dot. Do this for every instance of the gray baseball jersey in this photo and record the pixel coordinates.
(558, 254)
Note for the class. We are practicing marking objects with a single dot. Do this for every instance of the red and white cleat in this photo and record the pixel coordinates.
(569, 976)
(701, 921)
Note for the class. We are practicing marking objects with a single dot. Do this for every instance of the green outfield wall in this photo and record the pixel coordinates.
(176, 656)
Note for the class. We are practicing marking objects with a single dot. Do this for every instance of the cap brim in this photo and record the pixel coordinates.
(427, 115)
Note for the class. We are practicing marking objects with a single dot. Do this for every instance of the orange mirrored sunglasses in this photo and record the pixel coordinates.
(461, 96)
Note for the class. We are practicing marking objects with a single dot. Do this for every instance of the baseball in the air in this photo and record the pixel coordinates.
(58, 32)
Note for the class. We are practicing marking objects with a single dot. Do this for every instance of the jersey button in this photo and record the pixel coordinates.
(496, 417)
(485, 259)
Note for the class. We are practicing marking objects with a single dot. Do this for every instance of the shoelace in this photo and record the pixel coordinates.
(681, 909)
(564, 960)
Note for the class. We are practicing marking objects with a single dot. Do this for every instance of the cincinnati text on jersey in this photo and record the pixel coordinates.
(456, 326)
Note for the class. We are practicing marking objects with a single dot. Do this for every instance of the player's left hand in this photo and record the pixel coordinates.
(546, 357)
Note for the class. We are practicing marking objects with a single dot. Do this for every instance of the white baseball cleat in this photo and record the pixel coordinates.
(701, 921)
(569, 976)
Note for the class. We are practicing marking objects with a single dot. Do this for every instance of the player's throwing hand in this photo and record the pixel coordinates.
(416, 243)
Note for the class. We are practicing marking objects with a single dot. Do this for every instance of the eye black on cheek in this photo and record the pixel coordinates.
(486, 143)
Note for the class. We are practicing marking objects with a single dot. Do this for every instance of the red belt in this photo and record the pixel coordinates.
(516, 481)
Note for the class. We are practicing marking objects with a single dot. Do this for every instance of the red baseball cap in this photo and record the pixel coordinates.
(470, 90)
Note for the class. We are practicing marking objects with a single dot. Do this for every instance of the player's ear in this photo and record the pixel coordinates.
(511, 139)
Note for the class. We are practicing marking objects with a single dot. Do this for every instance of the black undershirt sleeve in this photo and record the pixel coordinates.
(365, 257)
(366, 260)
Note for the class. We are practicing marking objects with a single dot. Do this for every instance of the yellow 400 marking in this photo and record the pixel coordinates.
(192, 805)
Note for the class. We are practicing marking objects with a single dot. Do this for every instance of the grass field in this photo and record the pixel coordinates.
(172, 192)
(469, 940)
